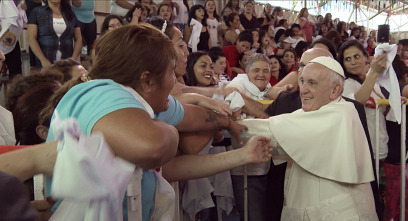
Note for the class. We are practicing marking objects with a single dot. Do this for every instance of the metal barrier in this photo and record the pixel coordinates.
(384, 102)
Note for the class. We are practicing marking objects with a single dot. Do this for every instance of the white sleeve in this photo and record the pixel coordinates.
(260, 127)
(350, 88)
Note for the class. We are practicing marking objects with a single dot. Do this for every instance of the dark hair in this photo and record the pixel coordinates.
(129, 15)
(281, 22)
(246, 35)
(288, 33)
(279, 34)
(191, 14)
(105, 23)
(340, 26)
(295, 57)
(276, 10)
(354, 30)
(326, 20)
(262, 33)
(165, 4)
(186, 4)
(190, 78)
(399, 67)
(346, 45)
(229, 4)
(223, 11)
(268, 17)
(215, 53)
(65, 8)
(229, 18)
(329, 44)
(140, 44)
(216, 16)
(240, 57)
(26, 97)
(301, 47)
(151, 1)
(264, 28)
(334, 36)
(320, 29)
(64, 67)
(282, 72)
(294, 25)
(158, 22)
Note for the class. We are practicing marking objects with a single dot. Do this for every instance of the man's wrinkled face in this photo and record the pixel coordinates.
(315, 87)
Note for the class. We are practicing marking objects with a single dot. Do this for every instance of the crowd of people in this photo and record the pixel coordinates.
(174, 88)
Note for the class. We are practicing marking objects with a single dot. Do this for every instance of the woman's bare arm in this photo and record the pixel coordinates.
(135, 137)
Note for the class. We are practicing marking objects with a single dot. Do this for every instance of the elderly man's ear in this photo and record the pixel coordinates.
(336, 92)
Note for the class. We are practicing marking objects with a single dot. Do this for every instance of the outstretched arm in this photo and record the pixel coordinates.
(25, 163)
(257, 150)
(137, 138)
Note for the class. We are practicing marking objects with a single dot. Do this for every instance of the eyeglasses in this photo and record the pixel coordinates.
(117, 25)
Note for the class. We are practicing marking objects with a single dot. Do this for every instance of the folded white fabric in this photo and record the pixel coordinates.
(195, 34)
(388, 79)
(87, 175)
(235, 101)
(197, 192)
(7, 135)
(222, 184)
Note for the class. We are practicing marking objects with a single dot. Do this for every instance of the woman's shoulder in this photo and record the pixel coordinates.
(107, 86)
(40, 9)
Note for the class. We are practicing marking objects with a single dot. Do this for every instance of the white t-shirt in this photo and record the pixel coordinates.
(350, 87)
(118, 10)
(59, 28)
(213, 26)
(182, 16)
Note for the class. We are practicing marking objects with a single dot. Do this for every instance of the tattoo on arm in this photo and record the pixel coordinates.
(212, 118)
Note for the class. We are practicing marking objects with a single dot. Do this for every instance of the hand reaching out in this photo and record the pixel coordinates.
(218, 106)
(258, 149)
(235, 130)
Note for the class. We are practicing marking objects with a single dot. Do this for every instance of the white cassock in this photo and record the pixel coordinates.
(331, 171)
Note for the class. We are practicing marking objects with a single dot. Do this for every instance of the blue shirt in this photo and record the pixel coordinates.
(85, 13)
(88, 102)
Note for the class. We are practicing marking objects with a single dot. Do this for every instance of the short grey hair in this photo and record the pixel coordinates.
(254, 58)
(335, 79)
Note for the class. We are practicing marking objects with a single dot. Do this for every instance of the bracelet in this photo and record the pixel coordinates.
(229, 124)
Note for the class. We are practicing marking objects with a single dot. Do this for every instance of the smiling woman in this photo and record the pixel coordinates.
(255, 85)
(200, 70)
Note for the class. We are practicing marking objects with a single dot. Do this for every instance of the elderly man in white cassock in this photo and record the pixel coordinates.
(329, 165)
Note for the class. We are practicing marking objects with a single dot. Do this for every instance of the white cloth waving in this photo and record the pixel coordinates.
(388, 79)
(87, 175)
(195, 34)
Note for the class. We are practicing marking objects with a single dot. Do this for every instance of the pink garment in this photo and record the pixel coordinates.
(307, 30)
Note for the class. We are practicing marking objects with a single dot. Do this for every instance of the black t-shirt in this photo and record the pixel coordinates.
(249, 24)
